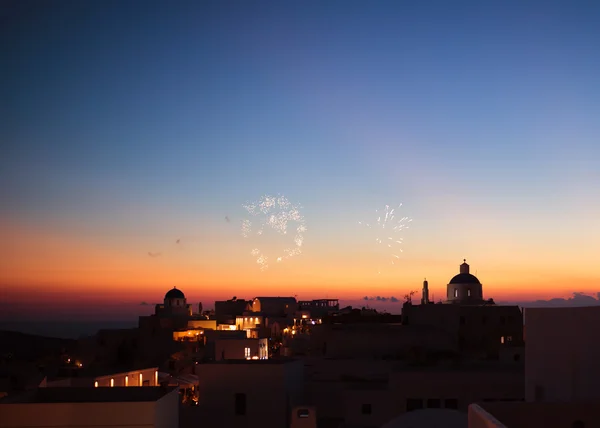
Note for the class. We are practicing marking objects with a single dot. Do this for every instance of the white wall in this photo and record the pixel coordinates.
(562, 354)
(268, 388)
(41, 415)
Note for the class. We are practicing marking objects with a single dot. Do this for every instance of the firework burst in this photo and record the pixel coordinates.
(388, 227)
(278, 214)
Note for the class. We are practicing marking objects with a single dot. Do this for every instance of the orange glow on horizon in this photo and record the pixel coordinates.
(39, 266)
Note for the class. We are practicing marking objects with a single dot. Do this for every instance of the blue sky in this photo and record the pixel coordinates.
(125, 118)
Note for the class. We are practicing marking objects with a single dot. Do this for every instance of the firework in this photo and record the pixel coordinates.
(388, 227)
(274, 213)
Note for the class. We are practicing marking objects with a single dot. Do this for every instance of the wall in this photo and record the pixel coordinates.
(480, 418)
(234, 349)
(467, 385)
(204, 324)
(264, 385)
(41, 415)
(376, 340)
(245, 322)
(166, 411)
(133, 378)
(547, 415)
(562, 354)
(432, 388)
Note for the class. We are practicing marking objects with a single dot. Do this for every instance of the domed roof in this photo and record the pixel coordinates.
(464, 278)
(174, 294)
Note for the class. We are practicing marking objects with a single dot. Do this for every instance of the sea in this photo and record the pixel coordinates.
(65, 329)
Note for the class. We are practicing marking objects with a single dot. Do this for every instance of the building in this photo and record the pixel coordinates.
(480, 326)
(319, 308)
(80, 407)
(130, 378)
(274, 306)
(562, 376)
(226, 311)
(237, 349)
(378, 340)
(562, 354)
(247, 393)
(370, 393)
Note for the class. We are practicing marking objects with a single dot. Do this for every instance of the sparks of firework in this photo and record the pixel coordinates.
(274, 212)
(387, 227)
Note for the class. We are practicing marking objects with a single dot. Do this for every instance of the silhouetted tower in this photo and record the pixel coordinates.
(425, 293)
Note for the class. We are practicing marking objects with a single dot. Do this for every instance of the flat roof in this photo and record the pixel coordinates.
(129, 394)
(253, 362)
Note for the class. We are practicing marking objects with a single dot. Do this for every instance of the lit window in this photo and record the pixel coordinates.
(247, 352)
(96, 384)
(456, 292)
(502, 339)
(126, 380)
(112, 383)
(156, 378)
(140, 384)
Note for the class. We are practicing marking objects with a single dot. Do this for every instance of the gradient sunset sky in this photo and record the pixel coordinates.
(127, 125)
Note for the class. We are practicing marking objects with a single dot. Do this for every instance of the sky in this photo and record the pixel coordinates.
(134, 132)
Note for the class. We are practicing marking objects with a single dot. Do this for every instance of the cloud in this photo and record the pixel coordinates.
(151, 254)
(579, 299)
(381, 299)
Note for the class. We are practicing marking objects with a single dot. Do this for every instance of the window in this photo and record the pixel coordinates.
(509, 338)
(96, 384)
(413, 404)
(240, 404)
(112, 382)
(146, 383)
(451, 403)
(247, 352)
(501, 339)
(303, 413)
(539, 393)
(366, 409)
(456, 292)
(126, 380)
(140, 380)
(469, 292)
(434, 403)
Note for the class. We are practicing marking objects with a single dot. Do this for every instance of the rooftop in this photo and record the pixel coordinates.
(254, 362)
(88, 395)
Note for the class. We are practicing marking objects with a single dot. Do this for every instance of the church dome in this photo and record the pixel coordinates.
(174, 294)
(464, 278)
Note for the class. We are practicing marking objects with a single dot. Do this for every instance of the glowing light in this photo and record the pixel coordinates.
(274, 213)
(387, 228)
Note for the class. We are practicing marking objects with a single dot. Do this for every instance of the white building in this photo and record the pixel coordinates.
(246, 393)
(241, 349)
(562, 354)
(370, 393)
(91, 407)
(141, 377)
(562, 374)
